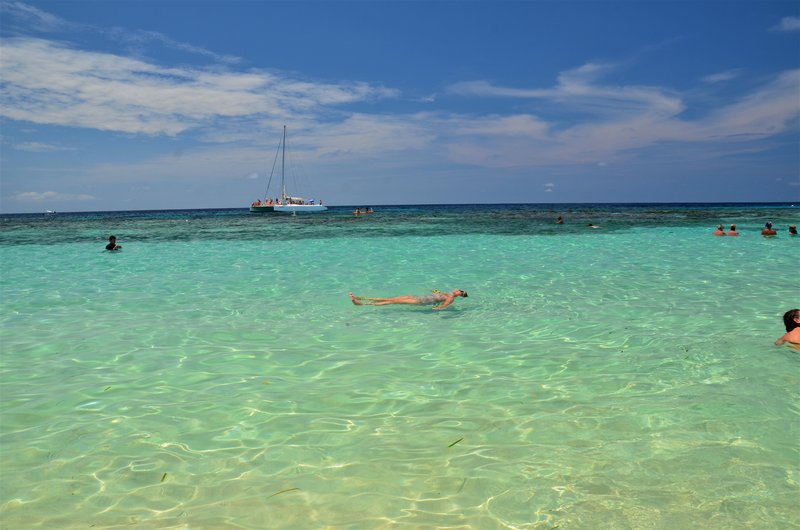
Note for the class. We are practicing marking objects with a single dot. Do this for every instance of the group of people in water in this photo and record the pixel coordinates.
(359, 211)
(767, 231)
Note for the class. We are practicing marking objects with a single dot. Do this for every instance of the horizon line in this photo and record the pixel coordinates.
(359, 205)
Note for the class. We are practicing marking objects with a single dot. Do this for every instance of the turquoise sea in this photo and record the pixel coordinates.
(214, 374)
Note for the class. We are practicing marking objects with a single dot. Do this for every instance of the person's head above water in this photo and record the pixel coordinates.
(460, 292)
(791, 319)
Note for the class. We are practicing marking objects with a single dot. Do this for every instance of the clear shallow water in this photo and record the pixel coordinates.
(214, 374)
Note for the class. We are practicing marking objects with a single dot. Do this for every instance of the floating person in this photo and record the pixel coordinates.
(732, 231)
(560, 220)
(438, 299)
(791, 319)
(792, 230)
(720, 231)
(592, 225)
(768, 230)
(112, 243)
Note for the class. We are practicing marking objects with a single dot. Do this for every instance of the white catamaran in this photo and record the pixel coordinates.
(286, 203)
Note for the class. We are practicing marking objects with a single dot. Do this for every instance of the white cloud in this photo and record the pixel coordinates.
(579, 89)
(617, 121)
(369, 135)
(770, 110)
(788, 24)
(496, 125)
(40, 147)
(495, 140)
(141, 37)
(41, 21)
(51, 83)
(206, 164)
(722, 76)
(50, 197)
(32, 17)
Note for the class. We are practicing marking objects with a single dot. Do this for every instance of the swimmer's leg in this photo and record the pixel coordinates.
(396, 300)
(357, 300)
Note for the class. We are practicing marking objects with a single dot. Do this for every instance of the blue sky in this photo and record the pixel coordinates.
(119, 105)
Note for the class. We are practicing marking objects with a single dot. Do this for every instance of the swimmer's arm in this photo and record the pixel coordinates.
(791, 337)
(447, 302)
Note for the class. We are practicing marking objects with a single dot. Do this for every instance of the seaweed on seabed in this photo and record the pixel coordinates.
(283, 491)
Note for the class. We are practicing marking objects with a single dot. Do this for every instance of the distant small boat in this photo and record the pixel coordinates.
(49, 212)
(286, 204)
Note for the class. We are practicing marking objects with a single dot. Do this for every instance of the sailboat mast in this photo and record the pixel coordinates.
(283, 165)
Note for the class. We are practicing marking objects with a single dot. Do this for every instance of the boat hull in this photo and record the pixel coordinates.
(299, 208)
(262, 209)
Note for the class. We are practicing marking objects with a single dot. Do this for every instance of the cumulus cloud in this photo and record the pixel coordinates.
(50, 197)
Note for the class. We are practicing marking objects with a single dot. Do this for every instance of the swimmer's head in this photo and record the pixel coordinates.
(791, 319)
(460, 292)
